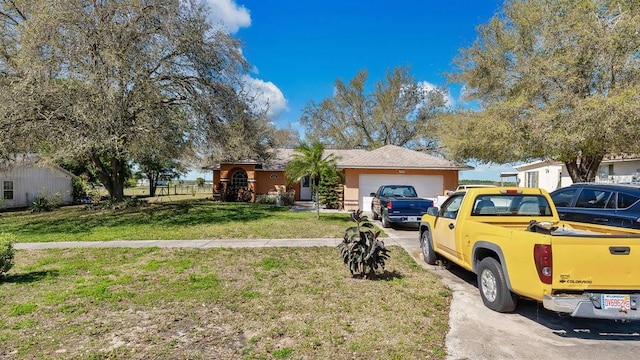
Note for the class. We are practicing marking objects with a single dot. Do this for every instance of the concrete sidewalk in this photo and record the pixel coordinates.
(407, 243)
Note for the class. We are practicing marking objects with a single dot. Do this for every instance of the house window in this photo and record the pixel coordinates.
(7, 187)
(531, 179)
(611, 170)
(239, 179)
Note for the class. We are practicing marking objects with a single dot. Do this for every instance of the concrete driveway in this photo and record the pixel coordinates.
(531, 332)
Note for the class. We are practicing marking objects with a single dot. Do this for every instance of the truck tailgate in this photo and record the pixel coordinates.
(596, 263)
(412, 206)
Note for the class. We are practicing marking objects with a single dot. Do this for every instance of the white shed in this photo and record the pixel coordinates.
(23, 180)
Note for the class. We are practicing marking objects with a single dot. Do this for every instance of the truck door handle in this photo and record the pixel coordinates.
(619, 250)
(451, 226)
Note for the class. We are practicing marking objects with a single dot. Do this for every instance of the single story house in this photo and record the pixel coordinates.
(552, 175)
(364, 172)
(25, 178)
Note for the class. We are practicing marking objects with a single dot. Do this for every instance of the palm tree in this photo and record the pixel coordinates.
(309, 160)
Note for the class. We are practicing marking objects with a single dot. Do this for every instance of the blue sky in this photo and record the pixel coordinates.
(298, 49)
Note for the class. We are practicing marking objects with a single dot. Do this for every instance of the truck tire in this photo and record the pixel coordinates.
(493, 287)
(374, 216)
(427, 249)
(385, 222)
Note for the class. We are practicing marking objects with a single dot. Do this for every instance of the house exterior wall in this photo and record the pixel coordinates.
(547, 175)
(619, 171)
(352, 179)
(268, 180)
(260, 181)
(552, 176)
(30, 182)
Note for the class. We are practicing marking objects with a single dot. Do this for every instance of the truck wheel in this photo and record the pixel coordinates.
(374, 216)
(385, 222)
(427, 249)
(493, 287)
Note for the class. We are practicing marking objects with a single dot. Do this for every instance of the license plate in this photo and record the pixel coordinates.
(615, 302)
(413, 218)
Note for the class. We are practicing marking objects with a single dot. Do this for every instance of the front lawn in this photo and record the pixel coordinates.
(178, 220)
(267, 303)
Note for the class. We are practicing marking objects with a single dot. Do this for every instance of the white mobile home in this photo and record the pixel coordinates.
(552, 175)
(23, 180)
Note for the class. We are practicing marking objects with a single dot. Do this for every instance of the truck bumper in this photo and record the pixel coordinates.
(588, 306)
(409, 220)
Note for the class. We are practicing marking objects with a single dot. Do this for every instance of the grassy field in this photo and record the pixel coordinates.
(164, 219)
(294, 303)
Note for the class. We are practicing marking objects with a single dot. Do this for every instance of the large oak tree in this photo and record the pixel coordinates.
(116, 82)
(553, 79)
(397, 110)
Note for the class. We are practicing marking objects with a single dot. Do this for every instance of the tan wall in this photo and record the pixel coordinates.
(351, 187)
(265, 181)
(262, 181)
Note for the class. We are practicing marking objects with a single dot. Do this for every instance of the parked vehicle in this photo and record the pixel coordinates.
(398, 204)
(469, 186)
(514, 241)
(604, 204)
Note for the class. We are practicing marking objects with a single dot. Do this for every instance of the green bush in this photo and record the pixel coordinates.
(329, 192)
(361, 250)
(46, 201)
(81, 188)
(286, 199)
(6, 253)
(41, 204)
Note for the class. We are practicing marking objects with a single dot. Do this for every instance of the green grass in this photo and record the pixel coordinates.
(177, 220)
(258, 303)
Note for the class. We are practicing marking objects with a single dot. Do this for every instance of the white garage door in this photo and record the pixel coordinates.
(427, 186)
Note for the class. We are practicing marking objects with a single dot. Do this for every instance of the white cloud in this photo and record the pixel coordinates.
(267, 95)
(229, 14)
(427, 87)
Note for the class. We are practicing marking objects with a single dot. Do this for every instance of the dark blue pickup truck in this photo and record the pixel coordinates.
(398, 204)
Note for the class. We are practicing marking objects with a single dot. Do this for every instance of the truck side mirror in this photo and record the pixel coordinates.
(372, 194)
(433, 211)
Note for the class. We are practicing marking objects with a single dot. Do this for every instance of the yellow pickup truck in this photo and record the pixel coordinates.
(514, 241)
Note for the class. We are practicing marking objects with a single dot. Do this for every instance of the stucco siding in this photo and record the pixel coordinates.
(267, 181)
(352, 194)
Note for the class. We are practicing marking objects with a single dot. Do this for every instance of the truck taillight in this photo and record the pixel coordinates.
(389, 205)
(544, 261)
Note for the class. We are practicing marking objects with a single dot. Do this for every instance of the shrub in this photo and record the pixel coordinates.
(6, 253)
(330, 193)
(286, 199)
(81, 188)
(47, 201)
(41, 204)
(361, 250)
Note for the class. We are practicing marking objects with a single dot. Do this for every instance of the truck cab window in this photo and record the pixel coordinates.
(451, 206)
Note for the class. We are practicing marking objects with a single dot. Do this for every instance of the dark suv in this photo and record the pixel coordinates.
(604, 204)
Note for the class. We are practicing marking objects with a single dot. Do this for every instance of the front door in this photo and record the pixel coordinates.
(305, 189)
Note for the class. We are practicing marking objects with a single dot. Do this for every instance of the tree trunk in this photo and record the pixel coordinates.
(153, 182)
(317, 200)
(112, 176)
(584, 168)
